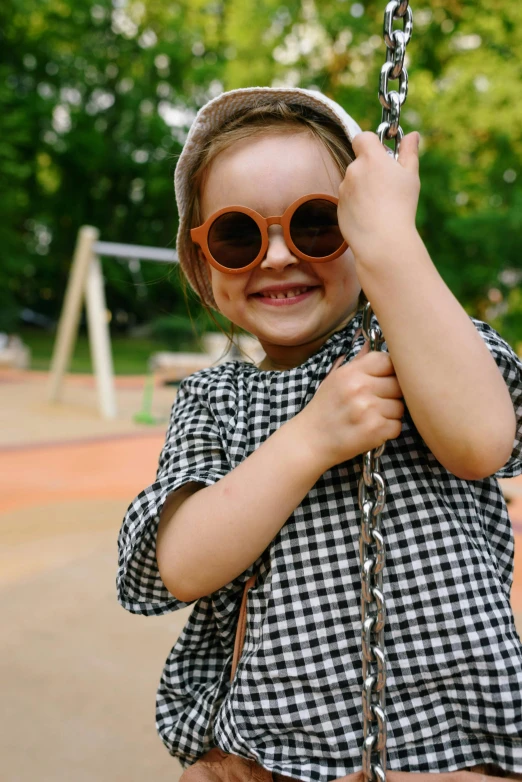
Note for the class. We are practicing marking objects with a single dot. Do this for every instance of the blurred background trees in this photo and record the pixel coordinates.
(96, 98)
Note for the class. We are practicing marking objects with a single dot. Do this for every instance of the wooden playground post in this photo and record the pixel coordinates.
(85, 280)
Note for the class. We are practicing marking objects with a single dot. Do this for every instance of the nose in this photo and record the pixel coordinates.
(278, 256)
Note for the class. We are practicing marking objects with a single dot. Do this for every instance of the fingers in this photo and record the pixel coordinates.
(387, 388)
(365, 142)
(368, 143)
(384, 385)
(337, 363)
(363, 351)
(409, 152)
(392, 409)
(380, 363)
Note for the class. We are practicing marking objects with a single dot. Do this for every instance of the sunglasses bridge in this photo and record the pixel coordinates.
(274, 221)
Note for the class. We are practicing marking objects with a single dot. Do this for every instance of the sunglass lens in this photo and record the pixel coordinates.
(314, 228)
(234, 240)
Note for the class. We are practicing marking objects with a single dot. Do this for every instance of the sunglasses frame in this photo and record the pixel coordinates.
(199, 235)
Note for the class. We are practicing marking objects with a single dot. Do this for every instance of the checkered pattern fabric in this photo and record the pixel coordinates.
(454, 687)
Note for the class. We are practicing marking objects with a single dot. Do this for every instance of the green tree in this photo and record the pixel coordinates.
(96, 98)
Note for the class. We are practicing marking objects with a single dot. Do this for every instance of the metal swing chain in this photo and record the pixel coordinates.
(372, 491)
(396, 42)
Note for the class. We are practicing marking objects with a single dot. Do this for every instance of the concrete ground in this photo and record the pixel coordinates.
(78, 673)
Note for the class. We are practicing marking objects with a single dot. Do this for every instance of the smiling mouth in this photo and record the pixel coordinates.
(289, 294)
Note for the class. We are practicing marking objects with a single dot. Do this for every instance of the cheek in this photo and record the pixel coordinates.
(341, 273)
(350, 268)
(222, 284)
(225, 287)
(215, 282)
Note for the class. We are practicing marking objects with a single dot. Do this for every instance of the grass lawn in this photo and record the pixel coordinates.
(130, 355)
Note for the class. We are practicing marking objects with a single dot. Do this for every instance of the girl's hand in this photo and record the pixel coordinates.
(378, 197)
(356, 408)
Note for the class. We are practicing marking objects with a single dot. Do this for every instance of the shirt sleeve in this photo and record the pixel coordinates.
(511, 367)
(193, 452)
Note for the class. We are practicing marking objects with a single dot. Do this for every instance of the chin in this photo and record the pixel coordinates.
(290, 338)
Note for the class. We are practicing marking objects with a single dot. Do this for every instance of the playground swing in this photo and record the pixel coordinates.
(86, 282)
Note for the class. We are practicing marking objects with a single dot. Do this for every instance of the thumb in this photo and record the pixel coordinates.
(340, 359)
(409, 151)
(365, 349)
(337, 363)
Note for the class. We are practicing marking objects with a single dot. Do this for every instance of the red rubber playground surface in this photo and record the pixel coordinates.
(75, 666)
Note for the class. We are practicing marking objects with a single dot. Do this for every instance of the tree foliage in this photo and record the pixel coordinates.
(96, 98)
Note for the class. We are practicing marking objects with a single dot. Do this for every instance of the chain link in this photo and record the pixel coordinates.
(392, 101)
(372, 490)
(372, 498)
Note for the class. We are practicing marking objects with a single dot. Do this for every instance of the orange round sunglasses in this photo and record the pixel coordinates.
(235, 239)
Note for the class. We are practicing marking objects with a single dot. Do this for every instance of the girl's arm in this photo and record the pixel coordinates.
(208, 537)
(451, 383)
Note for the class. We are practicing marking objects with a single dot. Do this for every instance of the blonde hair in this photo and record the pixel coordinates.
(275, 117)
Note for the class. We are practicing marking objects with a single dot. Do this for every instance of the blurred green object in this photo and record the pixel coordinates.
(8, 313)
(175, 331)
(144, 416)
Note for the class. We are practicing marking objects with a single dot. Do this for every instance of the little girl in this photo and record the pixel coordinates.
(287, 213)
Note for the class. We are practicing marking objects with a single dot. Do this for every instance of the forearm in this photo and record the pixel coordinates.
(220, 530)
(451, 384)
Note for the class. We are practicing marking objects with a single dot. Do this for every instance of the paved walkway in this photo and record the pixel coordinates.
(78, 673)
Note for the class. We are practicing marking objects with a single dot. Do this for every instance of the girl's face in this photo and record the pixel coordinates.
(268, 174)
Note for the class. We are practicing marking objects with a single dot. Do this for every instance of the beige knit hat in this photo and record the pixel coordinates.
(209, 119)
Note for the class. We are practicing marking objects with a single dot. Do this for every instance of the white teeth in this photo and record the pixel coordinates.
(285, 295)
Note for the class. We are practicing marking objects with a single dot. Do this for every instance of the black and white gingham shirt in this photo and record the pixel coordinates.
(454, 659)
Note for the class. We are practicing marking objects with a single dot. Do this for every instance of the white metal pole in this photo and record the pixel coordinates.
(99, 339)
